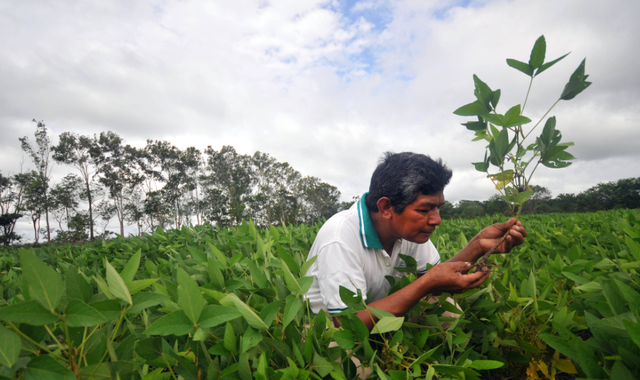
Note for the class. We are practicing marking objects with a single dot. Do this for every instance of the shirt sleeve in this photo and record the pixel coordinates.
(339, 266)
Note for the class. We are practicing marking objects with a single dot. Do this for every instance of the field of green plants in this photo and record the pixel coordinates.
(204, 303)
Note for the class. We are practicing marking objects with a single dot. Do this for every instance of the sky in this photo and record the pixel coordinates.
(327, 86)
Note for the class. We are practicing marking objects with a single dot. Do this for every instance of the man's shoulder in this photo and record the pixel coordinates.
(342, 227)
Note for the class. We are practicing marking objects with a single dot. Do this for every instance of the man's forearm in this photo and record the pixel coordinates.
(470, 253)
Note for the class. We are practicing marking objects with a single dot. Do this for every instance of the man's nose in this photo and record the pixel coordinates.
(434, 217)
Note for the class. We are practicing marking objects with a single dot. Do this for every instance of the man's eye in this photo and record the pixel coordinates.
(424, 210)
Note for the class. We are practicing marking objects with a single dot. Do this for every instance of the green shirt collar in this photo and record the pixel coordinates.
(368, 235)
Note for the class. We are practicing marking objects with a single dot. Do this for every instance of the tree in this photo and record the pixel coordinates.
(318, 200)
(65, 197)
(34, 191)
(227, 183)
(470, 209)
(496, 205)
(541, 196)
(11, 193)
(120, 173)
(81, 152)
(40, 157)
(274, 198)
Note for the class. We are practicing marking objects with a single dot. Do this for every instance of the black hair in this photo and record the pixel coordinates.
(401, 177)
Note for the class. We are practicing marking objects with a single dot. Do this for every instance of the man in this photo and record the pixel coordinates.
(358, 247)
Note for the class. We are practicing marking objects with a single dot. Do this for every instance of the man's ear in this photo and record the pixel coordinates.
(384, 207)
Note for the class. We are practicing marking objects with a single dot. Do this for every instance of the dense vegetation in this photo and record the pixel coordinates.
(157, 185)
(624, 193)
(218, 303)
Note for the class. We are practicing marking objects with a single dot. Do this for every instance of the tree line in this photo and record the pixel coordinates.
(158, 185)
(624, 193)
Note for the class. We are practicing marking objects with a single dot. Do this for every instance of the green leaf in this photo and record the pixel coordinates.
(521, 66)
(216, 252)
(620, 372)
(129, 271)
(189, 297)
(305, 267)
(345, 339)
(110, 309)
(482, 92)
(77, 286)
(549, 64)
(291, 308)
(215, 274)
(577, 83)
(475, 125)
(537, 53)
(588, 361)
(454, 370)
(486, 364)
(145, 300)
(286, 258)
(45, 284)
(381, 313)
(197, 255)
(572, 89)
(102, 286)
(269, 312)
(117, 287)
(257, 274)
(321, 365)
(30, 312)
(248, 314)
(213, 315)
(305, 284)
(150, 348)
(230, 338)
(45, 367)
(350, 298)
(472, 109)
(10, 346)
(513, 117)
(291, 282)
(176, 323)
(138, 285)
(250, 339)
(387, 324)
(633, 329)
(562, 345)
(79, 314)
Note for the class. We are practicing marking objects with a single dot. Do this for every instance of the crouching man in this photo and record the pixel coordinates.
(358, 247)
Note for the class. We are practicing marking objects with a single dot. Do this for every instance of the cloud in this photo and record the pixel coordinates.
(327, 86)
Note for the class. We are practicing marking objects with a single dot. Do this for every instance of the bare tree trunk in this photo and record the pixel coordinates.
(90, 210)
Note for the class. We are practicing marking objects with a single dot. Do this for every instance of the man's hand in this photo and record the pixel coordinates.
(451, 277)
(490, 236)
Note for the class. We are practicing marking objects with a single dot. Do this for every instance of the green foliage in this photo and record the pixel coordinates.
(508, 159)
(214, 304)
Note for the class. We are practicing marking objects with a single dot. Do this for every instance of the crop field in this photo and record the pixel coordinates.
(201, 303)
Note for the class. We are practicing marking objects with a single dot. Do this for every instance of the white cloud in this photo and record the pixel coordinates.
(325, 91)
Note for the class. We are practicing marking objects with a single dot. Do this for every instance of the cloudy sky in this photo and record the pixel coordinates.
(324, 85)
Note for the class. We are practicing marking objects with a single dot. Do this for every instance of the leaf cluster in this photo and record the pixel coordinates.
(510, 160)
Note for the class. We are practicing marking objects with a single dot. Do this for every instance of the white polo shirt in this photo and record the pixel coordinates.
(351, 255)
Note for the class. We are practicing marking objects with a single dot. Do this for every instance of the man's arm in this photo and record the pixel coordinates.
(488, 237)
(444, 277)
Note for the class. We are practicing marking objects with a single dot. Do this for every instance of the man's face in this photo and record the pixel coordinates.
(419, 219)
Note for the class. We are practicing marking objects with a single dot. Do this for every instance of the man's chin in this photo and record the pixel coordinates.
(422, 238)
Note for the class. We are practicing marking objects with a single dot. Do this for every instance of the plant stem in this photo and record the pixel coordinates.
(33, 341)
(54, 337)
(542, 118)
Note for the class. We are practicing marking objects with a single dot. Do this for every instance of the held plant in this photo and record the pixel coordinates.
(512, 155)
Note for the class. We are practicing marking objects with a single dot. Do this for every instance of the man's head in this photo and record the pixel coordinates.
(401, 177)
